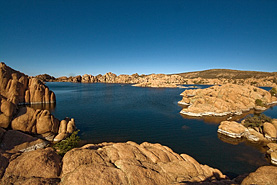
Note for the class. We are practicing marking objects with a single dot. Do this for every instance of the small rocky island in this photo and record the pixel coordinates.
(258, 129)
(229, 99)
(26, 155)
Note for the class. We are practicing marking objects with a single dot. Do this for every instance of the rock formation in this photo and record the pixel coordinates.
(272, 151)
(231, 129)
(263, 175)
(17, 88)
(208, 77)
(130, 163)
(224, 100)
(264, 133)
(117, 163)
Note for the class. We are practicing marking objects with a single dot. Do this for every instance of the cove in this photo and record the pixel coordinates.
(121, 112)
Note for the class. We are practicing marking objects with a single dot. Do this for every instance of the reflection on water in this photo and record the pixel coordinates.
(218, 119)
(230, 140)
(45, 106)
(116, 113)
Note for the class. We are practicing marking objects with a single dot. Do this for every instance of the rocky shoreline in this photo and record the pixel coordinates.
(229, 99)
(174, 80)
(26, 158)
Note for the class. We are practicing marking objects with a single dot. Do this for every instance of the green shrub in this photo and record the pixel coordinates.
(259, 102)
(256, 120)
(273, 92)
(69, 143)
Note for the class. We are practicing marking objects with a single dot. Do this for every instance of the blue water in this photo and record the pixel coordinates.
(121, 112)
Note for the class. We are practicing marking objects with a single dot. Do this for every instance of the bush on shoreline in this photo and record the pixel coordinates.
(259, 102)
(256, 120)
(273, 91)
(69, 143)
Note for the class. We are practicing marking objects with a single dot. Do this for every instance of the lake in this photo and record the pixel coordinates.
(121, 112)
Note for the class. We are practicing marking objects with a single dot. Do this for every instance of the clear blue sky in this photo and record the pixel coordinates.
(71, 37)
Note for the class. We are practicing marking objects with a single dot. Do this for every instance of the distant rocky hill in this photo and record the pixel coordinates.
(227, 73)
(208, 77)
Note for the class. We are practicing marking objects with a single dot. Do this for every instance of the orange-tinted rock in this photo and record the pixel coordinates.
(130, 163)
(63, 126)
(70, 126)
(35, 121)
(12, 84)
(269, 131)
(14, 141)
(223, 100)
(60, 136)
(262, 176)
(30, 181)
(43, 163)
(4, 161)
(17, 88)
(231, 129)
(46, 122)
(4, 121)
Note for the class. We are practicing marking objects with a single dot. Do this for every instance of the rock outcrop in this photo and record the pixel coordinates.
(231, 129)
(262, 176)
(272, 151)
(130, 163)
(42, 165)
(17, 87)
(208, 77)
(264, 134)
(14, 141)
(224, 100)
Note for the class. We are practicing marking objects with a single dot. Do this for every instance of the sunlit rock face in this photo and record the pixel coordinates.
(263, 175)
(17, 87)
(224, 100)
(131, 163)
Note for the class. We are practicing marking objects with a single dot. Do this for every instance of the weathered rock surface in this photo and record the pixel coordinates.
(130, 163)
(238, 130)
(14, 141)
(269, 131)
(17, 87)
(262, 176)
(35, 121)
(231, 129)
(223, 100)
(4, 161)
(272, 152)
(7, 110)
(33, 166)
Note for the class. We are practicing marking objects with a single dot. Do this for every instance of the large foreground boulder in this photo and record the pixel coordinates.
(262, 176)
(41, 163)
(130, 163)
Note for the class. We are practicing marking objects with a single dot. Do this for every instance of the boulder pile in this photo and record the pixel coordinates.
(225, 100)
(16, 89)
